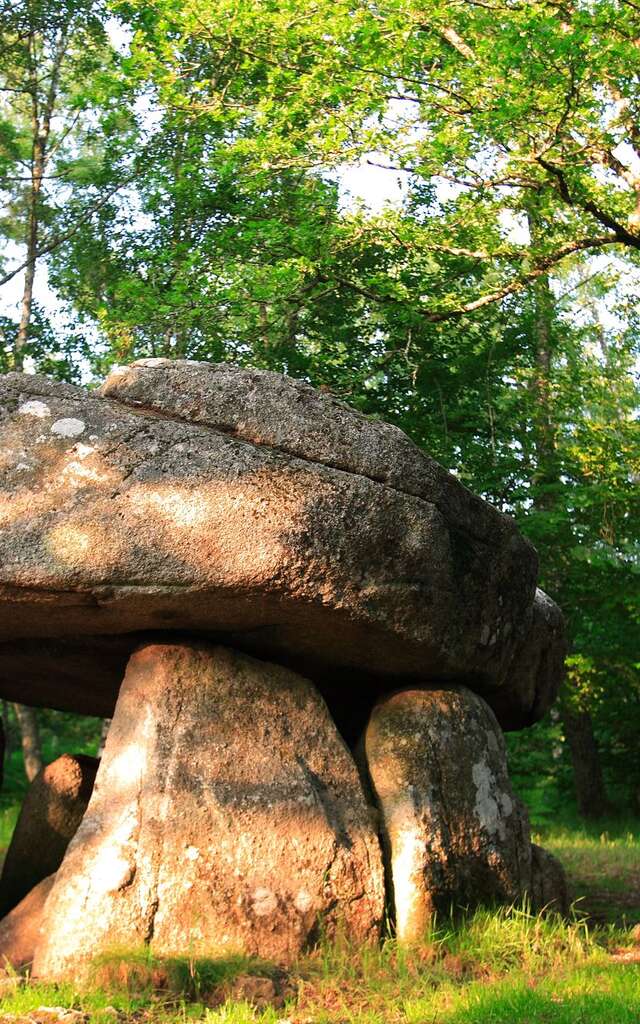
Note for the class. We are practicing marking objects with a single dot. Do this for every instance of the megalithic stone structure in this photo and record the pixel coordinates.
(273, 574)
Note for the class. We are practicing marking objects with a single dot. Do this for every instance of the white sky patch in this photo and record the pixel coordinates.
(515, 228)
(628, 156)
(371, 185)
(120, 36)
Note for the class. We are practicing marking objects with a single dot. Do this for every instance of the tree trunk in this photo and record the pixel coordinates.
(585, 758)
(104, 732)
(42, 109)
(30, 740)
(578, 725)
(26, 305)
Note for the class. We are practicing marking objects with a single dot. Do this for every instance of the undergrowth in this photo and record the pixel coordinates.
(501, 965)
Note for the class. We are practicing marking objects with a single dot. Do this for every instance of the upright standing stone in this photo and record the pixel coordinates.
(227, 816)
(52, 810)
(453, 830)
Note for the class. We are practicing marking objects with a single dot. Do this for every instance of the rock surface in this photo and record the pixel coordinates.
(49, 818)
(453, 830)
(20, 929)
(238, 502)
(227, 815)
(537, 669)
(79, 674)
(549, 890)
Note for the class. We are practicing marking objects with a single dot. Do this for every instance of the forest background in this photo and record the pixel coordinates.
(176, 182)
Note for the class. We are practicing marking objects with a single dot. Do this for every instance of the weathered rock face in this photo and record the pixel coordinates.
(537, 668)
(227, 815)
(240, 503)
(79, 674)
(20, 929)
(49, 818)
(453, 830)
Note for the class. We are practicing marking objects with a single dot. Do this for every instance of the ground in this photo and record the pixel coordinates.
(500, 967)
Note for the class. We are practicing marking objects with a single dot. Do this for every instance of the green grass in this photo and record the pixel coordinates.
(502, 965)
(602, 861)
(606, 994)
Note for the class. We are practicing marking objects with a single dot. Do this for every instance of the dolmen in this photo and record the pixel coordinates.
(310, 637)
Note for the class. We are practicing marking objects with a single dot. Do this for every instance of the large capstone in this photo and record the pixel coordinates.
(455, 835)
(227, 816)
(247, 507)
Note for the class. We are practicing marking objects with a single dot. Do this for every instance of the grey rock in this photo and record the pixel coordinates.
(549, 890)
(227, 817)
(241, 504)
(454, 834)
(536, 670)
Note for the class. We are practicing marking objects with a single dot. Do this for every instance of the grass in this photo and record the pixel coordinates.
(602, 861)
(496, 966)
(502, 966)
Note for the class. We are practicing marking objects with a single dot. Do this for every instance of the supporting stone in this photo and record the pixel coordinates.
(227, 816)
(454, 833)
(52, 810)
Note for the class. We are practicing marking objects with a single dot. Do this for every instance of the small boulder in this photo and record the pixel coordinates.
(20, 929)
(227, 816)
(50, 815)
(549, 889)
(453, 831)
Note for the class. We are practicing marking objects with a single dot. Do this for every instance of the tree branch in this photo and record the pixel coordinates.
(52, 244)
(622, 233)
(435, 316)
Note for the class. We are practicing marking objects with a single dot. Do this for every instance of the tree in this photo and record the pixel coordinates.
(57, 68)
(30, 738)
(213, 265)
(497, 101)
